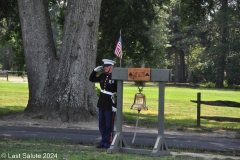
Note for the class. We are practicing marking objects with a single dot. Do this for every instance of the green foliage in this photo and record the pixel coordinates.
(192, 12)
(223, 47)
(11, 32)
(192, 29)
(209, 85)
(185, 47)
(207, 71)
(11, 29)
(195, 75)
(98, 90)
(134, 18)
(217, 32)
(233, 70)
(225, 84)
(5, 59)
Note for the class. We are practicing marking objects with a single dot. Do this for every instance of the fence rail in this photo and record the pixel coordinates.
(6, 73)
(191, 85)
(215, 103)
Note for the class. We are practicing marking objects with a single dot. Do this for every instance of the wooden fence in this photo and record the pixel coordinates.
(215, 103)
(4, 74)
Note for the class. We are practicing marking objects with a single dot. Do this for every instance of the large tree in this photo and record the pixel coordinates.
(58, 85)
(194, 11)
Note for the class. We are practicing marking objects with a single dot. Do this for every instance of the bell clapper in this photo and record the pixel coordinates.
(136, 127)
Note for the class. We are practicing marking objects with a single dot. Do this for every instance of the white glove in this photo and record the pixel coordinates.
(114, 109)
(98, 68)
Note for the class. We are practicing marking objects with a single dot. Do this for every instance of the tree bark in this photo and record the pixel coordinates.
(221, 60)
(59, 88)
(182, 75)
(176, 76)
(39, 50)
(179, 66)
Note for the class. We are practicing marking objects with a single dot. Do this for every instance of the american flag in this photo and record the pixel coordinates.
(118, 49)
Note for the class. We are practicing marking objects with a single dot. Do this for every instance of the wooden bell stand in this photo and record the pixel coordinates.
(140, 74)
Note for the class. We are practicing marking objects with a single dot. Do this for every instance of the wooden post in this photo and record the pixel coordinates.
(7, 75)
(198, 108)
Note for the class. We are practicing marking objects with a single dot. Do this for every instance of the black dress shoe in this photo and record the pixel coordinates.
(99, 146)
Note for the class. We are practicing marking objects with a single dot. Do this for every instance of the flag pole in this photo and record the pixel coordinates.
(121, 56)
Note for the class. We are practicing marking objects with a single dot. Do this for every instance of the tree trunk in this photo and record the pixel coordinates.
(39, 50)
(59, 88)
(176, 77)
(182, 78)
(179, 66)
(221, 61)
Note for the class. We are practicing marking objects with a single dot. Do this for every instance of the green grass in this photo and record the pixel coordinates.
(180, 114)
(13, 97)
(24, 149)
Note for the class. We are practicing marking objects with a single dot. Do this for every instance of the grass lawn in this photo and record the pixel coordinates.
(13, 97)
(180, 114)
(41, 149)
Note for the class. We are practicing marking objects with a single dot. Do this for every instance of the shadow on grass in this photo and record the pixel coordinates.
(151, 120)
(9, 110)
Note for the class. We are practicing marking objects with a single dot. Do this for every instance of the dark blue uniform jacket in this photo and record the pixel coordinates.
(106, 83)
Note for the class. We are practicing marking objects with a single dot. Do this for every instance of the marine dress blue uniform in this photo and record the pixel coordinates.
(105, 104)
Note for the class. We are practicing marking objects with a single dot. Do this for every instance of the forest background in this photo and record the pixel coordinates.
(199, 50)
(59, 42)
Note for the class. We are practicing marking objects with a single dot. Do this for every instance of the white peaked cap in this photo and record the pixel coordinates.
(108, 61)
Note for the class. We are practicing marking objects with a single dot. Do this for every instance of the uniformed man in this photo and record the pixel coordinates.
(106, 102)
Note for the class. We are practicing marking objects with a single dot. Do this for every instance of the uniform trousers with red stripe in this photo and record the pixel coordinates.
(105, 127)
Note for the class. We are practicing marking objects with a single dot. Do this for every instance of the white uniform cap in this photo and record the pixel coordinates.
(108, 61)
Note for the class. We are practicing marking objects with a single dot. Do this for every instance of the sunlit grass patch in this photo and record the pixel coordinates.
(13, 97)
(179, 112)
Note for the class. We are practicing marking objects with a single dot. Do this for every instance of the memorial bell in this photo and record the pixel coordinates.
(139, 100)
(139, 104)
